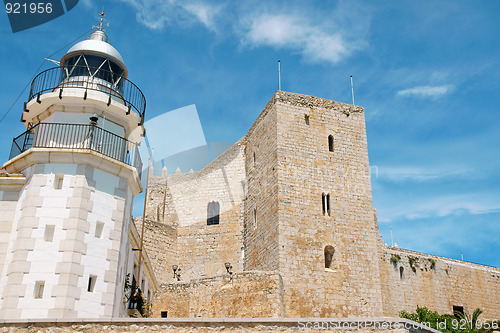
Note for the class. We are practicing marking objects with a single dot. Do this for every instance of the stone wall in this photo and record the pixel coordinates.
(185, 239)
(10, 187)
(247, 294)
(56, 243)
(312, 325)
(307, 169)
(411, 279)
(160, 242)
(261, 204)
(270, 186)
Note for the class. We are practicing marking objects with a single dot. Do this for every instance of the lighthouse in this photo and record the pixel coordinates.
(72, 177)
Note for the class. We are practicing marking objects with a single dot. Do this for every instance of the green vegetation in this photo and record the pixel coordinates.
(413, 261)
(395, 258)
(458, 323)
(433, 263)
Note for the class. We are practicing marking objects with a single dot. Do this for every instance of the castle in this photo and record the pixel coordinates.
(289, 209)
(280, 225)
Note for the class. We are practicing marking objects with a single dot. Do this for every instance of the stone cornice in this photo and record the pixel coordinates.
(76, 156)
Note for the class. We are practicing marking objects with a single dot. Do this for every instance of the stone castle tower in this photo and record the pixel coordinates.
(282, 224)
(293, 199)
(309, 194)
(71, 180)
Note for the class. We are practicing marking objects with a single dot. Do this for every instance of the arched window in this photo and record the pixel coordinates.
(213, 213)
(329, 251)
(401, 271)
(330, 143)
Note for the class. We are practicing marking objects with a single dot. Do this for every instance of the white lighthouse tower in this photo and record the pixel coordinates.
(77, 170)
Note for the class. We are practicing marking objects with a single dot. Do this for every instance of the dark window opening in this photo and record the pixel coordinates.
(323, 203)
(330, 142)
(328, 204)
(401, 271)
(91, 285)
(306, 118)
(459, 309)
(213, 213)
(164, 314)
(329, 251)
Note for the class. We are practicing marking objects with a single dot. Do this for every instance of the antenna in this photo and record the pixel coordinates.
(279, 75)
(100, 21)
(352, 91)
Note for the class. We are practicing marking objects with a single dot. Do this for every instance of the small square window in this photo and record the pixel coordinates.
(92, 281)
(49, 233)
(99, 227)
(38, 292)
(458, 309)
(58, 181)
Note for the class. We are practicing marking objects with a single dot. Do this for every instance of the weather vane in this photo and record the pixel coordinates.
(100, 21)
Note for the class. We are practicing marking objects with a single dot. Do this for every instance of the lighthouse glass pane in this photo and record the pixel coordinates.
(76, 66)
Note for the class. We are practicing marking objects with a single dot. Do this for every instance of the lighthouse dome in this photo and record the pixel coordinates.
(95, 49)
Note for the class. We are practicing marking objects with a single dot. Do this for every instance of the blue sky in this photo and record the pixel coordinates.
(426, 72)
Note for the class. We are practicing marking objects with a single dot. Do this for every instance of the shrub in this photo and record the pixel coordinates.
(395, 258)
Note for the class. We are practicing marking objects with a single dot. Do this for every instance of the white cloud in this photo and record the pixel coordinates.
(426, 91)
(289, 31)
(402, 174)
(314, 35)
(155, 14)
(434, 207)
(203, 12)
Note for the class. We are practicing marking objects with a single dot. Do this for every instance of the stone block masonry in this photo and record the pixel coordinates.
(160, 241)
(178, 206)
(298, 226)
(247, 294)
(325, 202)
(312, 325)
(411, 279)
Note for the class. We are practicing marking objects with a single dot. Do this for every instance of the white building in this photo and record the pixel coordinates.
(67, 240)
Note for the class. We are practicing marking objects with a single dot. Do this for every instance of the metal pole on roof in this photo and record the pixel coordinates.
(279, 75)
(142, 228)
(352, 91)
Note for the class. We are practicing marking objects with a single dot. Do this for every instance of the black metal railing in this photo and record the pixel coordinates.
(78, 136)
(98, 79)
